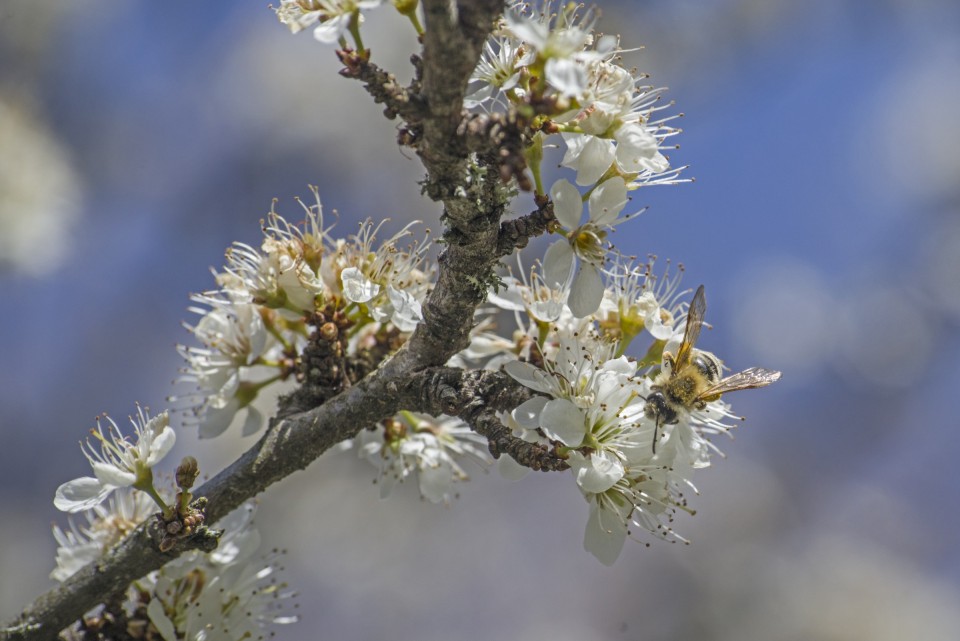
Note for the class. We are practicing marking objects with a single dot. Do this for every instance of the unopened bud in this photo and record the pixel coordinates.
(187, 472)
(329, 331)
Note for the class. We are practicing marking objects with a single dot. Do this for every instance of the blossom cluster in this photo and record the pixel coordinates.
(423, 446)
(257, 322)
(581, 307)
(549, 66)
(253, 328)
(227, 594)
(550, 61)
(592, 401)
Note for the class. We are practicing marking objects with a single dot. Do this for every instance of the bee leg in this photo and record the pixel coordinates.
(656, 433)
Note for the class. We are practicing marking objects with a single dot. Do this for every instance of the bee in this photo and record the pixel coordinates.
(691, 379)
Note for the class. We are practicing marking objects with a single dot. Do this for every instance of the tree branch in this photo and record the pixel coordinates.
(474, 199)
(290, 445)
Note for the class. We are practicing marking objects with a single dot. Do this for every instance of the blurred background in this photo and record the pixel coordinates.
(137, 140)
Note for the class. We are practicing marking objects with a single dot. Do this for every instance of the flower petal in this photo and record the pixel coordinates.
(510, 469)
(435, 481)
(562, 421)
(586, 293)
(112, 476)
(596, 473)
(357, 288)
(567, 203)
(407, 311)
(558, 263)
(80, 494)
(527, 414)
(528, 375)
(608, 200)
(159, 618)
(253, 422)
(217, 419)
(594, 160)
(604, 535)
(567, 76)
(161, 445)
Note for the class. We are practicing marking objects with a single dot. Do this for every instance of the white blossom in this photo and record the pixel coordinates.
(119, 462)
(389, 282)
(573, 263)
(637, 299)
(225, 595)
(332, 17)
(106, 525)
(429, 448)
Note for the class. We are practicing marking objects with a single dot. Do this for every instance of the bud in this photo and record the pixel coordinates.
(187, 472)
(329, 331)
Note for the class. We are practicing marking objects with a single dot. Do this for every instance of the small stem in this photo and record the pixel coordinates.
(354, 29)
(543, 330)
(534, 155)
(146, 485)
(416, 22)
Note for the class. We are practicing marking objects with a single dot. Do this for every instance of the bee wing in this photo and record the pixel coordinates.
(698, 308)
(747, 379)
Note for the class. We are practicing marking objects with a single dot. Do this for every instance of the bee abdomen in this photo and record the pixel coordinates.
(708, 365)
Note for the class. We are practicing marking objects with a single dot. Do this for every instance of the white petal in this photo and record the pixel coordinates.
(658, 163)
(547, 311)
(329, 31)
(159, 618)
(597, 473)
(562, 421)
(575, 144)
(530, 31)
(157, 424)
(597, 122)
(558, 264)
(507, 297)
(637, 150)
(435, 482)
(597, 156)
(566, 76)
(527, 414)
(357, 288)
(478, 97)
(406, 309)
(510, 469)
(653, 323)
(608, 200)
(604, 535)
(622, 365)
(528, 376)
(567, 203)
(161, 445)
(217, 419)
(253, 422)
(112, 476)
(586, 293)
(80, 494)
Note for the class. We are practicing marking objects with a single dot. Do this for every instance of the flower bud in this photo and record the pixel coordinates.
(187, 472)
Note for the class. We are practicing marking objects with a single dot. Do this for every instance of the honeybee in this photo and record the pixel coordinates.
(691, 379)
